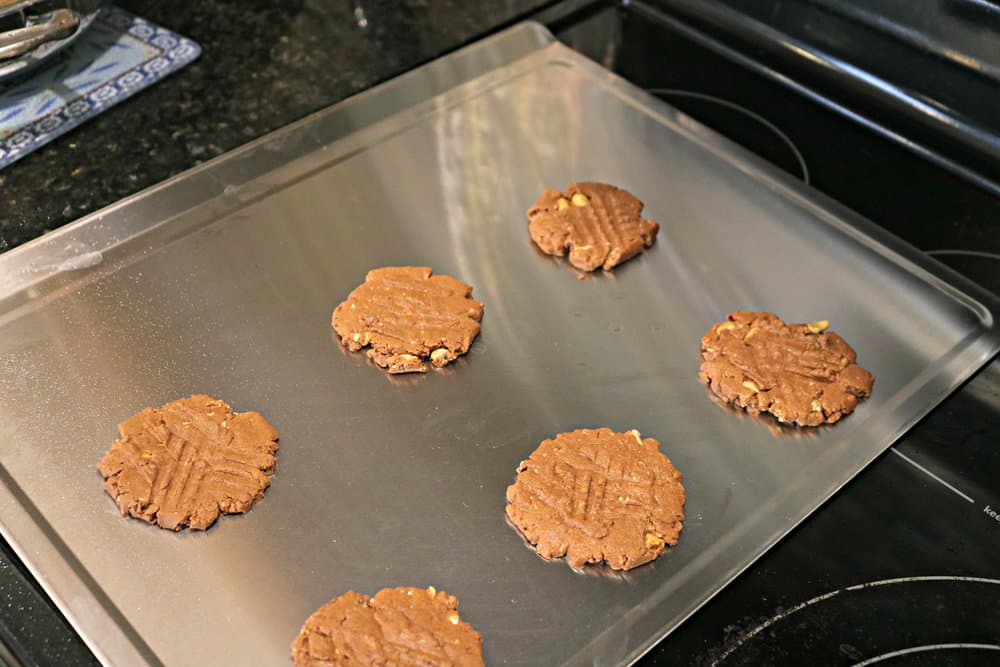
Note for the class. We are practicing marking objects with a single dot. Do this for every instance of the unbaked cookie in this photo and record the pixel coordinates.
(407, 315)
(800, 373)
(185, 463)
(594, 495)
(598, 225)
(399, 626)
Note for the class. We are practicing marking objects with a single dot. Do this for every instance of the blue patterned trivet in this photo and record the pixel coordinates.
(117, 56)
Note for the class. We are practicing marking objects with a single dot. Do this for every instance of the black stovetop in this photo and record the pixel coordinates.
(901, 566)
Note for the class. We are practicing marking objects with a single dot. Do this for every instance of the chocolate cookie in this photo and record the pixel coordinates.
(798, 373)
(399, 626)
(185, 463)
(598, 224)
(594, 495)
(407, 315)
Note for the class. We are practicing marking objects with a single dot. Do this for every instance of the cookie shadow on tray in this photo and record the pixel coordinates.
(598, 570)
(563, 263)
(770, 422)
(413, 379)
(184, 532)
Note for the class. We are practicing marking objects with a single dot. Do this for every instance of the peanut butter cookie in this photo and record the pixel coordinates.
(598, 225)
(800, 373)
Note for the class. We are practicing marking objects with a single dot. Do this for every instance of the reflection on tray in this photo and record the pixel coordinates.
(599, 570)
(565, 265)
(771, 423)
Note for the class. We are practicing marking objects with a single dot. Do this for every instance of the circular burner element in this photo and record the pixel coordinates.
(976, 265)
(913, 620)
(749, 129)
(940, 654)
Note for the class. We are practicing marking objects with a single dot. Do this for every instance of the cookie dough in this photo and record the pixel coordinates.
(800, 373)
(597, 224)
(185, 463)
(399, 626)
(407, 316)
(594, 495)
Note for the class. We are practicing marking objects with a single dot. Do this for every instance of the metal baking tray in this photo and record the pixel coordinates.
(223, 279)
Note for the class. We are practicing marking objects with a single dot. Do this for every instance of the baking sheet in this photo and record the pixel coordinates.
(222, 281)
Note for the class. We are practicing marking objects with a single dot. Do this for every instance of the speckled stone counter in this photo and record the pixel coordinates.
(263, 65)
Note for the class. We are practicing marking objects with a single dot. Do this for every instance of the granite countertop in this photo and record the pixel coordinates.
(263, 65)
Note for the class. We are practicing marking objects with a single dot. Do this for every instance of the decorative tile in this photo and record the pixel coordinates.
(118, 55)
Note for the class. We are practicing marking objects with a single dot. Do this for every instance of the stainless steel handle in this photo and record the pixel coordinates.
(11, 6)
(47, 28)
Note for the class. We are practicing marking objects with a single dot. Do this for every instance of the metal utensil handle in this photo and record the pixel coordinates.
(57, 25)
(13, 6)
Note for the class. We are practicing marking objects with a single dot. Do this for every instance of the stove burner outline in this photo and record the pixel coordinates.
(921, 649)
(929, 473)
(965, 261)
(736, 107)
(973, 253)
(826, 596)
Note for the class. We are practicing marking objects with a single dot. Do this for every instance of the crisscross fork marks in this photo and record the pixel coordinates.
(598, 225)
(185, 463)
(597, 495)
(800, 373)
(603, 213)
(594, 482)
